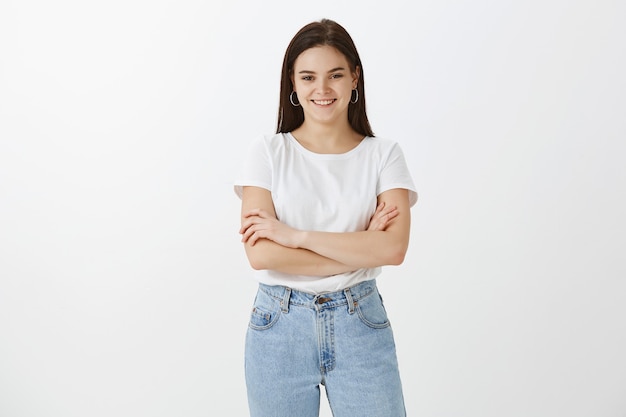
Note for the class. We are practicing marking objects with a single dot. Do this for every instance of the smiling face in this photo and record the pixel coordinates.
(323, 81)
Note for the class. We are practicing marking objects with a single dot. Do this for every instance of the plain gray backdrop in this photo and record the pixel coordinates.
(124, 289)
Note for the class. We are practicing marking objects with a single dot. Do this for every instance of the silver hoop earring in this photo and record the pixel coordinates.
(356, 98)
(291, 99)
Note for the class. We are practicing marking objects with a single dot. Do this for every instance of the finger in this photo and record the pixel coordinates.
(388, 210)
(245, 226)
(379, 219)
(384, 220)
(251, 239)
(249, 232)
(389, 215)
(249, 222)
(378, 224)
(259, 234)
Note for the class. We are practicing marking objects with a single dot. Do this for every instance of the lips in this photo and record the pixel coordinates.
(324, 102)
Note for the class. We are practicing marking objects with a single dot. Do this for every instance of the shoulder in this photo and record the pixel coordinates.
(380, 146)
(275, 139)
(378, 142)
(268, 143)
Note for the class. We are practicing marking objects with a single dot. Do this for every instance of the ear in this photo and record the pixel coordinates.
(293, 84)
(355, 75)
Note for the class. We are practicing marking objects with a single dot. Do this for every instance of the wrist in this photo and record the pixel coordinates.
(301, 239)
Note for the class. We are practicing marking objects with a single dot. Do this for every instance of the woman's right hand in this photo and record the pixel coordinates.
(382, 217)
(260, 224)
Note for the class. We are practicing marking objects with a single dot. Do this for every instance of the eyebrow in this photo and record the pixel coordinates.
(313, 72)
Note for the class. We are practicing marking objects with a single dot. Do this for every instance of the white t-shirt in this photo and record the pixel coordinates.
(324, 192)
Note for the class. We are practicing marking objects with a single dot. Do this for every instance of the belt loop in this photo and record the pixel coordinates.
(284, 303)
(350, 300)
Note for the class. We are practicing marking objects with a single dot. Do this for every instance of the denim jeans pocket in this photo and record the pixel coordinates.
(265, 312)
(371, 311)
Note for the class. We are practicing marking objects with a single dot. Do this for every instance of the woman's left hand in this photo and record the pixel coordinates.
(259, 224)
(382, 217)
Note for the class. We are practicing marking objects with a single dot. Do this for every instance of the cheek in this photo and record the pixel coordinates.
(304, 91)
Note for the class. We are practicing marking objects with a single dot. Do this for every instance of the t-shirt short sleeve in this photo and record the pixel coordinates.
(257, 168)
(395, 174)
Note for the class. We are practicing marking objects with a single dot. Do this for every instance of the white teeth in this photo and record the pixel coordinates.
(323, 102)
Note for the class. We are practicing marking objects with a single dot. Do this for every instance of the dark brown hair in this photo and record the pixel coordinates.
(324, 32)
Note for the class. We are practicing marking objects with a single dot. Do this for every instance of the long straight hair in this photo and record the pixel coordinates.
(324, 32)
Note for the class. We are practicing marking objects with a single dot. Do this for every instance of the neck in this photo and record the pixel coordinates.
(327, 138)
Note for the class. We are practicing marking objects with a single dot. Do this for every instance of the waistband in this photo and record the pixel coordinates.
(348, 296)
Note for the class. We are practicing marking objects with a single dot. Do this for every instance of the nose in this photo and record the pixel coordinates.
(322, 85)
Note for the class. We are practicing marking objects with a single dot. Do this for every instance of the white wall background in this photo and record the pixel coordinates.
(124, 290)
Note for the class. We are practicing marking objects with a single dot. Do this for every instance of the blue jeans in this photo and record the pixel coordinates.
(342, 340)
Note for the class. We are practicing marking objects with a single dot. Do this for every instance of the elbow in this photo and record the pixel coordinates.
(256, 261)
(256, 264)
(397, 258)
(396, 255)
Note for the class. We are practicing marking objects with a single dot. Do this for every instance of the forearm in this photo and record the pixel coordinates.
(385, 241)
(266, 254)
(367, 249)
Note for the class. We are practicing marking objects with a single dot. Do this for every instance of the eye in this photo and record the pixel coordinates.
(336, 76)
(307, 78)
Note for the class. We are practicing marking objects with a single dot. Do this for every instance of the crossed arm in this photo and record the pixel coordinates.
(271, 244)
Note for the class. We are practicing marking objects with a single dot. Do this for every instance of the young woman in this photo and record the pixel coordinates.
(325, 204)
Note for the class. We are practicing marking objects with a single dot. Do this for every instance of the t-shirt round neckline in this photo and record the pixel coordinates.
(312, 154)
